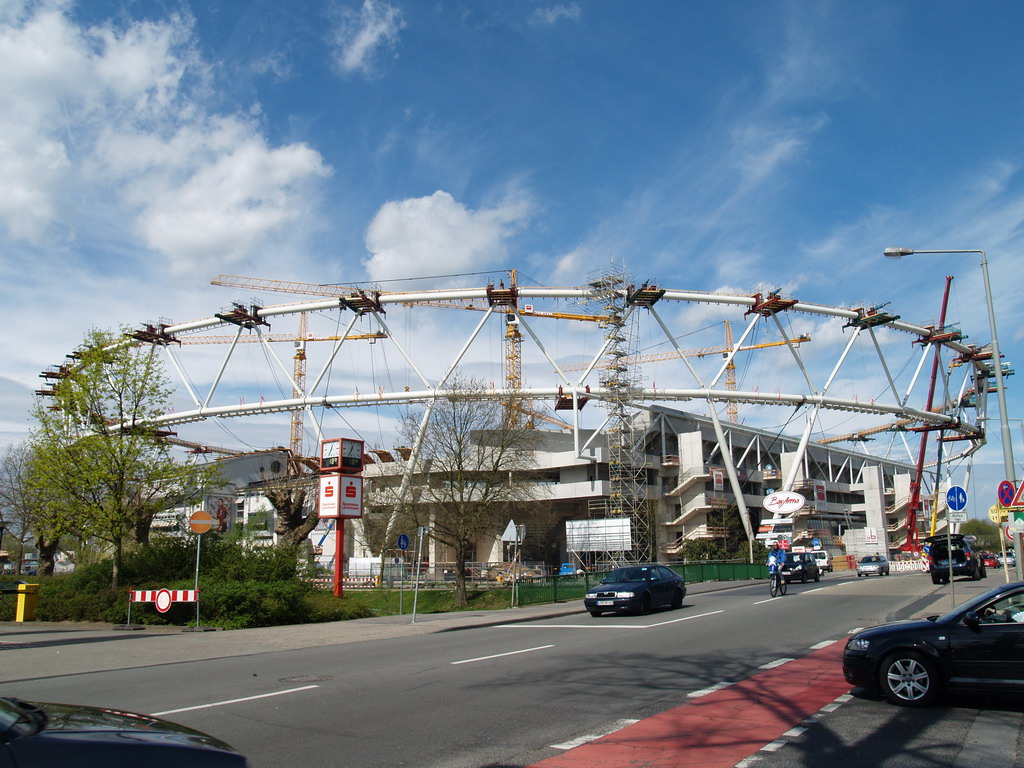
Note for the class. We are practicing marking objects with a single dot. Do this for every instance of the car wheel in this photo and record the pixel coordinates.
(909, 679)
(983, 573)
(677, 600)
(936, 579)
(595, 614)
(803, 578)
(817, 577)
(645, 604)
(859, 574)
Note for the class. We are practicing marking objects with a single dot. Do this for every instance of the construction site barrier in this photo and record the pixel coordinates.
(27, 595)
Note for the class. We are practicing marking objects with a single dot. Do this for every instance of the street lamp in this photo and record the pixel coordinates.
(1004, 422)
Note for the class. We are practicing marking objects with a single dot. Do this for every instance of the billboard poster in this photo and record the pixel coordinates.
(819, 496)
(718, 477)
(219, 507)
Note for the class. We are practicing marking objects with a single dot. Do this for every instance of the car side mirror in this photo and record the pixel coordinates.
(972, 620)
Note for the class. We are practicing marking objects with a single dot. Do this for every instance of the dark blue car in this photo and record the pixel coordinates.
(636, 588)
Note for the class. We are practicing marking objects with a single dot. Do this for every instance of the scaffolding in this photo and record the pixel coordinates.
(627, 498)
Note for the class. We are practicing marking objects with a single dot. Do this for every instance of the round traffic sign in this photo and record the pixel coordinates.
(200, 522)
(1006, 493)
(403, 542)
(163, 600)
(956, 498)
(1008, 531)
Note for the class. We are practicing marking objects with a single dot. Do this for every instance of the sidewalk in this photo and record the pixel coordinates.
(49, 649)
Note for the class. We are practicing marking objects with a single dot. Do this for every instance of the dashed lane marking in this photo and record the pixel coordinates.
(499, 655)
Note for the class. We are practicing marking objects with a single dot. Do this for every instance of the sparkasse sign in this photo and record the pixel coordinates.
(784, 502)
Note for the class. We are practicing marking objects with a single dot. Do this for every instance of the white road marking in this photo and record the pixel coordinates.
(499, 655)
(570, 626)
(232, 701)
(685, 618)
(706, 691)
(823, 644)
(605, 626)
(616, 726)
(774, 664)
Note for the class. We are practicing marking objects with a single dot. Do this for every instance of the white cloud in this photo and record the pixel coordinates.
(436, 234)
(111, 118)
(363, 36)
(553, 14)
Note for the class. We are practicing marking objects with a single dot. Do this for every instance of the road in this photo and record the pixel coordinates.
(521, 694)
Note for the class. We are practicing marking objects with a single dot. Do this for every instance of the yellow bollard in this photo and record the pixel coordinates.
(26, 607)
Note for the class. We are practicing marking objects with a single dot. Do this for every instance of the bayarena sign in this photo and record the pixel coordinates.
(784, 502)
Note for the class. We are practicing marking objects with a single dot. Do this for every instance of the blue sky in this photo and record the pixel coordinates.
(147, 147)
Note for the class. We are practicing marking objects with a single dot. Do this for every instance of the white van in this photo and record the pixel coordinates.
(823, 560)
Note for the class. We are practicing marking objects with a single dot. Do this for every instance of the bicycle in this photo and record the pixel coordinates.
(776, 584)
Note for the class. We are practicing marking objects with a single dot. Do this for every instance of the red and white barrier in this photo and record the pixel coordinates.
(164, 598)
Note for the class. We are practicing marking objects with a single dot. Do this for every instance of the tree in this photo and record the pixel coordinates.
(17, 510)
(474, 471)
(985, 531)
(98, 460)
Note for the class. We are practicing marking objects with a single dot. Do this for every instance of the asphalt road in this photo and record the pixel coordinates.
(516, 694)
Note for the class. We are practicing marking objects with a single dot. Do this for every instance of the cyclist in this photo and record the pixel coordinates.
(776, 559)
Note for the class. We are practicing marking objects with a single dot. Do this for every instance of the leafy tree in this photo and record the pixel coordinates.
(98, 459)
(985, 531)
(475, 463)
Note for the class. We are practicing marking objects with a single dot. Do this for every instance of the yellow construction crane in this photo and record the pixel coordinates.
(513, 370)
(298, 369)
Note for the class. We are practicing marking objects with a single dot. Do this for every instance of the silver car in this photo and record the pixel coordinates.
(872, 565)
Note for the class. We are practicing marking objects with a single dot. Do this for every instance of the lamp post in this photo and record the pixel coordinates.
(1004, 422)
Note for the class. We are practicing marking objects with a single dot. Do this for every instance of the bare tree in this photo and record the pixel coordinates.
(474, 471)
(20, 511)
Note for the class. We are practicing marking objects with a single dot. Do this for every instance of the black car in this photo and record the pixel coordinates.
(34, 735)
(800, 566)
(965, 560)
(637, 588)
(979, 645)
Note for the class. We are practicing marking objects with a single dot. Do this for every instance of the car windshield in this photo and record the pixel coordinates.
(622, 575)
(971, 605)
(871, 559)
(20, 718)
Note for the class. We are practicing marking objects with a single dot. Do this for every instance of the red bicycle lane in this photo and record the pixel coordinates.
(721, 728)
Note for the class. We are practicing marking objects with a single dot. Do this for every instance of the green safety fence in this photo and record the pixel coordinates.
(555, 589)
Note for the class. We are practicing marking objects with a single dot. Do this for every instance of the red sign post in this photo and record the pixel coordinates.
(341, 493)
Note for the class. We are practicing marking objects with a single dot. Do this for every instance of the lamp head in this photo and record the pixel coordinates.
(896, 253)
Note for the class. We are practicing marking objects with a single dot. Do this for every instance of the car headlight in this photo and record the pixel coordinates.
(624, 594)
(858, 644)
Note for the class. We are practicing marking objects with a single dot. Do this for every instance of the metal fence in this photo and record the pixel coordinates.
(554, 589)
(534, 585)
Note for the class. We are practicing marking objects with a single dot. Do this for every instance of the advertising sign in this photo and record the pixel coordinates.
(341, 496)
(718, 478)
(784, 502)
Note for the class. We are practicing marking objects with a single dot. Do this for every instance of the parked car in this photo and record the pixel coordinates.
(35, 735)
(976, 646)
(960, 558)
(636, 588)
(823, 560)
(872, 565)
(800, 566)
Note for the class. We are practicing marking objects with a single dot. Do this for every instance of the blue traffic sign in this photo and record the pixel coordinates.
(403, 542)
(816, 543)
(956, 498)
